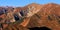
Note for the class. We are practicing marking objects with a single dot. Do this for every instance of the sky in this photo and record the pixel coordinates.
(25, 2)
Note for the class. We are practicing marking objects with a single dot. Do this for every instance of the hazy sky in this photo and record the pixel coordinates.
(25, 2)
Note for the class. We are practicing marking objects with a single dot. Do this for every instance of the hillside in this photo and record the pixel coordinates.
(29, 16)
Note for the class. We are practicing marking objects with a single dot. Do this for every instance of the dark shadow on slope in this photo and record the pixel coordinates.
(40, 28)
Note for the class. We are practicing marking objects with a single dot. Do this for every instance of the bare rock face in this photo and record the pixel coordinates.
(32, 15)
(47, 16)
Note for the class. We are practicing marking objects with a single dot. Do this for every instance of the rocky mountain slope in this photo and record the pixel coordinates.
(32, 15)
(48, 16)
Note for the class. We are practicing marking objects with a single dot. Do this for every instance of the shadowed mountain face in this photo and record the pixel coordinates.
(32, 15)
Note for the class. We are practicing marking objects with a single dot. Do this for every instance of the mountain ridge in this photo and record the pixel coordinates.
(33, 15)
